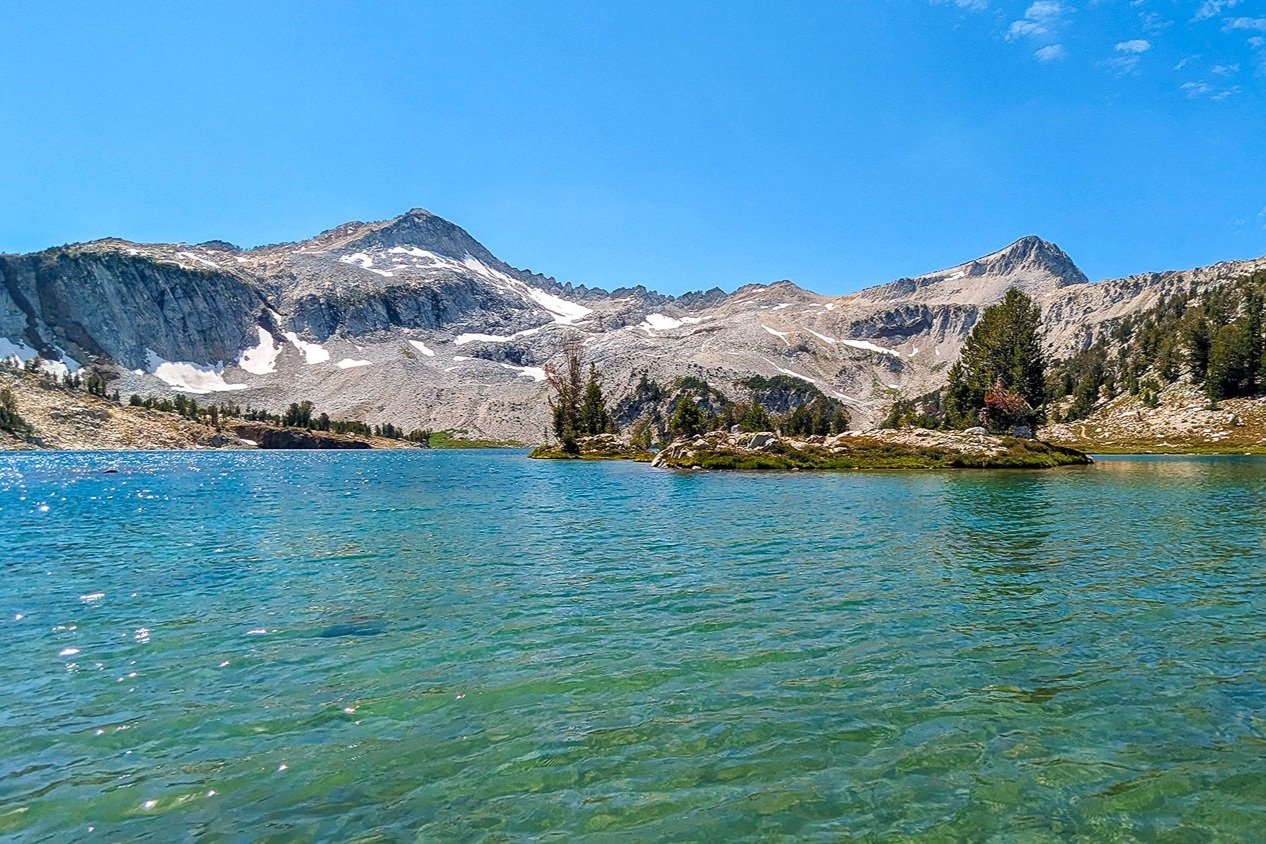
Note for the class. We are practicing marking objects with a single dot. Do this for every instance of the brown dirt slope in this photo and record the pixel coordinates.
(72, 419)
(66, 419)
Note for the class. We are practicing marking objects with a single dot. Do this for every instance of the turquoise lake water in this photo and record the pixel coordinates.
(426, 646)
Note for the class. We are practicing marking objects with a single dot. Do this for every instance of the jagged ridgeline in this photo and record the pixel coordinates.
(411, 322)
(1212, 338)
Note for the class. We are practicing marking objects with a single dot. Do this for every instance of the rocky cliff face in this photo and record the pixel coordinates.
(413, 321)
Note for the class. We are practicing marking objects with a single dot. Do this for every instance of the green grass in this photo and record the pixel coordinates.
(546, 452)
(456, 439)
(866, 453)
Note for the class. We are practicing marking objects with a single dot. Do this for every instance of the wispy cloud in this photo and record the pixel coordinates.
(1050, 53)
(1213, 8)
(1249, 24)
(970, 5)
(1198, 90)
(1128, 55)
(1040, 19)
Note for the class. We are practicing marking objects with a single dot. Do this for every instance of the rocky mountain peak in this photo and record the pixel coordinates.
(1031, 256)
(1035, 266)
(415, 229)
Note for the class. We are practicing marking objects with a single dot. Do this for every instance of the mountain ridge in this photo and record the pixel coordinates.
(413, 320)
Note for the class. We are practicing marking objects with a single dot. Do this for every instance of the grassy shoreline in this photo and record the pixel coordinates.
(863, 453)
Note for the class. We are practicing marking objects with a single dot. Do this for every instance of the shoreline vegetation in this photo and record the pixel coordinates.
(910, 448)
(40, 411)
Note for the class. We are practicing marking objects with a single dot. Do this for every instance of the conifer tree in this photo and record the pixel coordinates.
(1005, 347)
(568, 386)
(594, 417)
(688, 419)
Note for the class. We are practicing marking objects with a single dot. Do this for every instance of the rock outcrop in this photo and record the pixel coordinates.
(270, 437)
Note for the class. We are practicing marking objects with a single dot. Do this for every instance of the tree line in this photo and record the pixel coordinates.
(690, 406)
(1213, 338)
(302, 414)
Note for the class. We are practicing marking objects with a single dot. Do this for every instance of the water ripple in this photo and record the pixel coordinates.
(476, 646)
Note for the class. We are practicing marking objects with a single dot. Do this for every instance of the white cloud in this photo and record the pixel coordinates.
(1051, 53)
(1195, 90)
(1130, 54)
(1226, 69)
(1040, 19)
(1251, 24)
(970, 5)
(1213, 8)
(1137, 45)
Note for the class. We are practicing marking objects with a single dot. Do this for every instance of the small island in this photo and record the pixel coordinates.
(910, 448)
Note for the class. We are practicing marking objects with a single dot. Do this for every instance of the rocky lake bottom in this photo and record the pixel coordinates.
(444, 645)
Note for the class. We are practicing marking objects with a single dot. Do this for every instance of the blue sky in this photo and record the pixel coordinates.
(677, 145)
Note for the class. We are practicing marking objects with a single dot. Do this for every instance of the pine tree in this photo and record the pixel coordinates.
(569, 387)
(594, 417)
(688, 419)
(1005, 347)
(755, 418)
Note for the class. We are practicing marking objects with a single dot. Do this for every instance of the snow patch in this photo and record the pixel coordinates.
(415, 252)
(262, 358)
(21, 351)
(781, 335)
(536, 373)
(199, 259)
(663, 322)
(360, 259)
(349, 363)
(564, 312)
(823, 337)
(870, 347)
(421, 347)
(189, 377)
(312, 352)
(659, 322)
(463, 339)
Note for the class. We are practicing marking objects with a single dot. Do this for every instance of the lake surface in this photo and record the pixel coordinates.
(446, 645)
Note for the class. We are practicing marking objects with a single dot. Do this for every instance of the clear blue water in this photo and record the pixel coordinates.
(475, 646)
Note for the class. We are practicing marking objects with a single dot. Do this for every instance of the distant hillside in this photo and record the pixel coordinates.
(413, 321)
